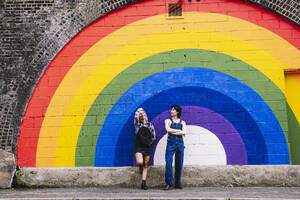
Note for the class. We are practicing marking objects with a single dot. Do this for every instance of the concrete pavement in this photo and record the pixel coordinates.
(237, 193)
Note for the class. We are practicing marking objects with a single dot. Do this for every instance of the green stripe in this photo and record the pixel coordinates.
(294, 136)
(272, 95)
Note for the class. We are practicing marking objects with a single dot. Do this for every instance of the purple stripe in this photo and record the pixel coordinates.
(212, 121)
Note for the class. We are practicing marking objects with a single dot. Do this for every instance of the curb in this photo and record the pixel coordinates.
(193, 176)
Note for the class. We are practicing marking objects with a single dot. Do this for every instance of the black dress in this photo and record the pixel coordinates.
(145, 136)
(143, 141)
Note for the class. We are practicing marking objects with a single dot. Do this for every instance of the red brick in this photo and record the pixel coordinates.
(146, 10)
(114, 21)
(24, 160)
(269, 16)
(131, 19)
(190, 8)
(240, 14)
(286, 33)
(52, 71)
(209, 7)
(64, 70)
(161, 9)
(255, 15)
(27, 123)
(35, 112)
(295, 42)
(174, 1)
(99, 22)
(64, 61)
(38, 122)
(85, 40)
(54, 81)
(285, 25)
(43, 81)
(127, 11)
(61, 61)
(296, 34)
(46, 91)
(29, 142)
(234, 6)
(40, 100)
(154, 3)
(30, 132)
(269, 24)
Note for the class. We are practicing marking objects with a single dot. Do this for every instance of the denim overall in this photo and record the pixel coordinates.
(174, 145)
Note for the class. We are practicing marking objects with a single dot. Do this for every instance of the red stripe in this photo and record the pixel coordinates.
(58, 68)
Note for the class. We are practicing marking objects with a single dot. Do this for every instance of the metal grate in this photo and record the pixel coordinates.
(175, 9)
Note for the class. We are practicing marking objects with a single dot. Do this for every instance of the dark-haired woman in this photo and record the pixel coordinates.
(176, 128)
(145, 137)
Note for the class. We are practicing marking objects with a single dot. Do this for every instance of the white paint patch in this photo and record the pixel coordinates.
(202, 147)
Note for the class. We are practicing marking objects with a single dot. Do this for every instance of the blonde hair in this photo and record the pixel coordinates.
(144, 114)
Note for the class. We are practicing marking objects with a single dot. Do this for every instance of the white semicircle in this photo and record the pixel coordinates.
(202, 147)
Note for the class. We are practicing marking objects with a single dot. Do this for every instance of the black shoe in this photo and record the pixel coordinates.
(144, 186)
(167, 187)
(141, 169)
(178, 186)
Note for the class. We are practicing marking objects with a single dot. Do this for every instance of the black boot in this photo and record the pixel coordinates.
(144, 186)
(178, 186)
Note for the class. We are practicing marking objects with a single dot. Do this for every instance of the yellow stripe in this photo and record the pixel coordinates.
(154, 44)
(201, 30)
(293, 93)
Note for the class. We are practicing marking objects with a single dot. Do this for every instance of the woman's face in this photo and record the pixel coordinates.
(173, 112)
(141, 116)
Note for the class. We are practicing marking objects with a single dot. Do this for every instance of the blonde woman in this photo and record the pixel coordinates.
(145, 137)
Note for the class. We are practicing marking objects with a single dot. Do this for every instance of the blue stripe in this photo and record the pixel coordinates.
(192, 86)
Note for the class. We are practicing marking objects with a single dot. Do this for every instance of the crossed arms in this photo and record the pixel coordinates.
(175, 131)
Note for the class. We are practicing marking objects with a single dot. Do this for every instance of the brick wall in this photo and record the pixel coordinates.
(33, 33)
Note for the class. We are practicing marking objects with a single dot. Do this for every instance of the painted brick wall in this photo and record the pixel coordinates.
(92, 87)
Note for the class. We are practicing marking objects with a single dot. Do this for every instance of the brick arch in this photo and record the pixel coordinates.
(64, 20)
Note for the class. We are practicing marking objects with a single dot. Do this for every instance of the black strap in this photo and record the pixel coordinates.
(173, 122)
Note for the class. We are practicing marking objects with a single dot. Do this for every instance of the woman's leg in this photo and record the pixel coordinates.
(139, 159)
(169, 161)
(179, 156)
(145, 167)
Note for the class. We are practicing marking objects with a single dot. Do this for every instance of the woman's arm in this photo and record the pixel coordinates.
(137, 121)
(170, 130)
(183, 132)
(175, 131)
(152, 130)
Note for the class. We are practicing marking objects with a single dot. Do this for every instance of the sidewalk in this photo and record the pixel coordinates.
(237, 193)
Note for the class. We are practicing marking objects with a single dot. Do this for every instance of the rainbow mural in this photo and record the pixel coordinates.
(222, 61)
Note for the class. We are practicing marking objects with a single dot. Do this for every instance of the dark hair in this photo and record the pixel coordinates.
(178, 109)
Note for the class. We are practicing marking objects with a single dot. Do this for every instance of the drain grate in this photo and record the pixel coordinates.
(175, 9)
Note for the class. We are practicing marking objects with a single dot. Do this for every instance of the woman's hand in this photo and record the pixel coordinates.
(140, 109)
(179, 132)
(144, 121)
